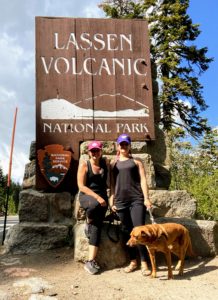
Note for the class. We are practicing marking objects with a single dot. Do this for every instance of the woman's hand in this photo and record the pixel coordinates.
(111, 203)
(101, 201)
(113, 208)
(147, 203)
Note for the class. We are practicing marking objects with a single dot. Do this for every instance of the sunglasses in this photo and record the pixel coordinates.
(95, 150)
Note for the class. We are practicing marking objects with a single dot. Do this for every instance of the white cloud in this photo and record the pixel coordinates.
(177, 118)
(91, 12)
(6, 95)
(19, 160)
(17, 72)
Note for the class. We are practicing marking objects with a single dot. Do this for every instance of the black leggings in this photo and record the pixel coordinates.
(96, 213)
(130, 217)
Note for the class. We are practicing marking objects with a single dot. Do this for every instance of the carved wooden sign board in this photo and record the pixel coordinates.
(93, 81)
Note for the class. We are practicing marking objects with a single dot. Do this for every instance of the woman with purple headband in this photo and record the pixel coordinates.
(92, 183)
(129, 197)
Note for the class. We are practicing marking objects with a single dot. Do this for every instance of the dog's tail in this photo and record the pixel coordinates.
(190, 252)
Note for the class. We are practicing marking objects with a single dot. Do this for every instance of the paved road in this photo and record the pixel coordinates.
(11, 220)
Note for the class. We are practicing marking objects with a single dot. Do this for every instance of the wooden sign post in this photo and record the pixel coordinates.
(93, 81)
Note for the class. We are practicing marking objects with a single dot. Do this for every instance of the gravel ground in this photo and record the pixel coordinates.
(55, 275)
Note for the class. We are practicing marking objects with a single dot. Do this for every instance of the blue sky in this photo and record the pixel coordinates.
(17, 65)
(205, 14)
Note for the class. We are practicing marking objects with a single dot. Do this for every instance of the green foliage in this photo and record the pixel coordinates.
(13, 199)
(2, 190)
(122, 9)
(179, 62)
(11, 206)
(195, 169)
(205, 190)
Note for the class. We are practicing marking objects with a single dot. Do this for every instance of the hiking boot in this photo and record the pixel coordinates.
(87, 230)
(90, 267)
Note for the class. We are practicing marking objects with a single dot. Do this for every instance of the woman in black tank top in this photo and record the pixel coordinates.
(92, 183)
(129, 197)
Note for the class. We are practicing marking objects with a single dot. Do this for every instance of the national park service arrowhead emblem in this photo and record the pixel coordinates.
(54, 162)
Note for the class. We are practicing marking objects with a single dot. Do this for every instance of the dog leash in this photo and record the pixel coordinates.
(111, 218)
(151, 216)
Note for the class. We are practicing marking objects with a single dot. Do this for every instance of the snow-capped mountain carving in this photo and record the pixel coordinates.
(118, 106)
(59, 166)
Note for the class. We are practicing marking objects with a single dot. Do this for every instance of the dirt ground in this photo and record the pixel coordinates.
(68, 280)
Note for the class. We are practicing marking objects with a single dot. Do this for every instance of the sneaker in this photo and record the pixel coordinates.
(90, 267)
(96, 265)
(87, 230)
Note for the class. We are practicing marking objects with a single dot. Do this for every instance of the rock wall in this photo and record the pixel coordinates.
(204, 234)
(169, 206)
(29, 179)
(46, 220)
(157, 173)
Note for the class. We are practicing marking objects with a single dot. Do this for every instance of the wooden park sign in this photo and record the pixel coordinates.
(93, 81)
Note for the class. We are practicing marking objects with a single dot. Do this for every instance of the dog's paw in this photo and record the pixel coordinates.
(145, 272)
(178, 266)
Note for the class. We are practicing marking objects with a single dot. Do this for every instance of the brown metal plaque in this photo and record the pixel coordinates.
(93, 81)
(54, 163)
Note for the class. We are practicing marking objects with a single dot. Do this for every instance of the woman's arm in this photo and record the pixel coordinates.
(112, 187)
(81, 181)
(143, 182)
(108, 176)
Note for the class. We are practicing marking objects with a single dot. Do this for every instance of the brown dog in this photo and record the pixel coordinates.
(166, 238)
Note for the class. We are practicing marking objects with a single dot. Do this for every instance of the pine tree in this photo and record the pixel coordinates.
(195, 169)
(179, 62)
(208, 151)
(14, 191)
(2, 190)
(209, 143)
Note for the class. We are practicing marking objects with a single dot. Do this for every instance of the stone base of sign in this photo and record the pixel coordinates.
(59, 230)
(49, 220)
(204, 234)
(29, 180)
(139, 150)
(45, 207)
(177, 204)
(45, 222)
(165, 204)
(110, 255)
(28, 237)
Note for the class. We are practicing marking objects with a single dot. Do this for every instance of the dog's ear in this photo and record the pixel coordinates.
(162, 232)
(149, 232)
(152, 233)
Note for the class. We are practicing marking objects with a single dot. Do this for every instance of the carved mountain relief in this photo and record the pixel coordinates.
(86, 109)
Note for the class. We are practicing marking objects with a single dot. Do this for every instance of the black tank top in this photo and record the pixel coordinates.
(97, 182)
(127, 183)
